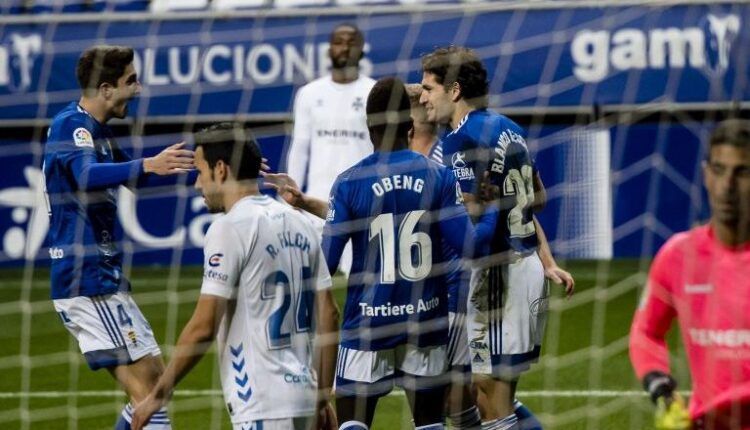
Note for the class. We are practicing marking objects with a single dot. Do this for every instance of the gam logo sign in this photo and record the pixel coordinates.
(18, 54)
(707, 47)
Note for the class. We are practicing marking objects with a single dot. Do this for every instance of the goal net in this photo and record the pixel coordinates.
(617, 98)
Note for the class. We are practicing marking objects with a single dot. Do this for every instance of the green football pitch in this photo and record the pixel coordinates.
(584, 380)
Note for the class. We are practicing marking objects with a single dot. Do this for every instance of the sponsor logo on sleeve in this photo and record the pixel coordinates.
(82, 138)
(331, 215)
(215, 260)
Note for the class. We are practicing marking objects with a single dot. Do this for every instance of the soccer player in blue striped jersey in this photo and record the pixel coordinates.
(83, 166)
(396, 206)
(455, 94)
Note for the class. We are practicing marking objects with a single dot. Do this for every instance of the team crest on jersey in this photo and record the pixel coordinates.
(82, 138)
(215, 260)
(358, 104)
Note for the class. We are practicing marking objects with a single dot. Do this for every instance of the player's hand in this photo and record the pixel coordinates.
(671, 413)
(285, 187)
(561, 277)
(172, 160)
(488, 192)
(325, 418)
(144, 410)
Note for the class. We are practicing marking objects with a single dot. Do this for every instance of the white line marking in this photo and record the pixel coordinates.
(208, 393)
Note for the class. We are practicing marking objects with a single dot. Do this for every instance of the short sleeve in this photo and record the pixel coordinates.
(222, 260)
(338, 228)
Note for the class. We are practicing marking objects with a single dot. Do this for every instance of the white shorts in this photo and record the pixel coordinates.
(458, 341)
(300, 423)
(506, 316)
(376, 372)
(110, 329)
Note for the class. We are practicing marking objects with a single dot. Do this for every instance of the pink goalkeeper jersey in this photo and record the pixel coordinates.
(706, 285)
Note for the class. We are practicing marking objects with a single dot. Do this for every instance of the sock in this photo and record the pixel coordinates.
(468, 419)
(526, 419)
(159, 421)
(436, 426)
(508, 423)
(353, 425)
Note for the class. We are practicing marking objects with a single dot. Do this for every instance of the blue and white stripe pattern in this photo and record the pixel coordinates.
(108, 320)
(495, 290)
(341, 361)
(455, 334)
(436, 152)
(160, 418)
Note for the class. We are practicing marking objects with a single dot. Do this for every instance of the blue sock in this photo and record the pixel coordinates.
(526, 419)
(122, 423)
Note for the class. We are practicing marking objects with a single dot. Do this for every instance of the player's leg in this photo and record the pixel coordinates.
(138, 376)
(362, 377)
(460, 405)
(524, 308)
(113, 334)
(485, 327)
(423, 376)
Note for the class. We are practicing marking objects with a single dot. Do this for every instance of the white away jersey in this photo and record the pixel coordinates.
(330, 132)
(267, 257)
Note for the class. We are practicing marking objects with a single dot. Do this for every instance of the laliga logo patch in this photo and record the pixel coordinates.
(458, 160)
(82, 138)
(215, 260)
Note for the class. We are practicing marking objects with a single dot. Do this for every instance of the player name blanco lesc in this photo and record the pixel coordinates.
(388, 310)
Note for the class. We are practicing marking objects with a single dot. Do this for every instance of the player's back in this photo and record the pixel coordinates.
(390, 204)
(265, 343)
(82, 236)
(488, 141)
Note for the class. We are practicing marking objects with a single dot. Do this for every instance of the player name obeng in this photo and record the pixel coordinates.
(397, 182)
(388, 309)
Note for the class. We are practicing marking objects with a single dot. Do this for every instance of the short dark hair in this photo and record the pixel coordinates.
(389, 113)
(458, 64)
(102, 64)
(357, 32)
(735, 132)
(232, 144)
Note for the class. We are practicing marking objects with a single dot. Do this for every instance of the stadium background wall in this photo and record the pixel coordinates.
(650, 79)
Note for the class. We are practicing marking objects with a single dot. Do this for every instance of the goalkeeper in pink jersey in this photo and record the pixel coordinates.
(702, 278)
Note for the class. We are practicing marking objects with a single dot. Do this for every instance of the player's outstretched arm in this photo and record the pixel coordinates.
(326, 346)
(172, 160)
(551, 270)
(196, 338)
(288, 189)
(648, 349)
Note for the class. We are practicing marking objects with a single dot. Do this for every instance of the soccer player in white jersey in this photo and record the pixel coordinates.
(330, 128)
(265, 289)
